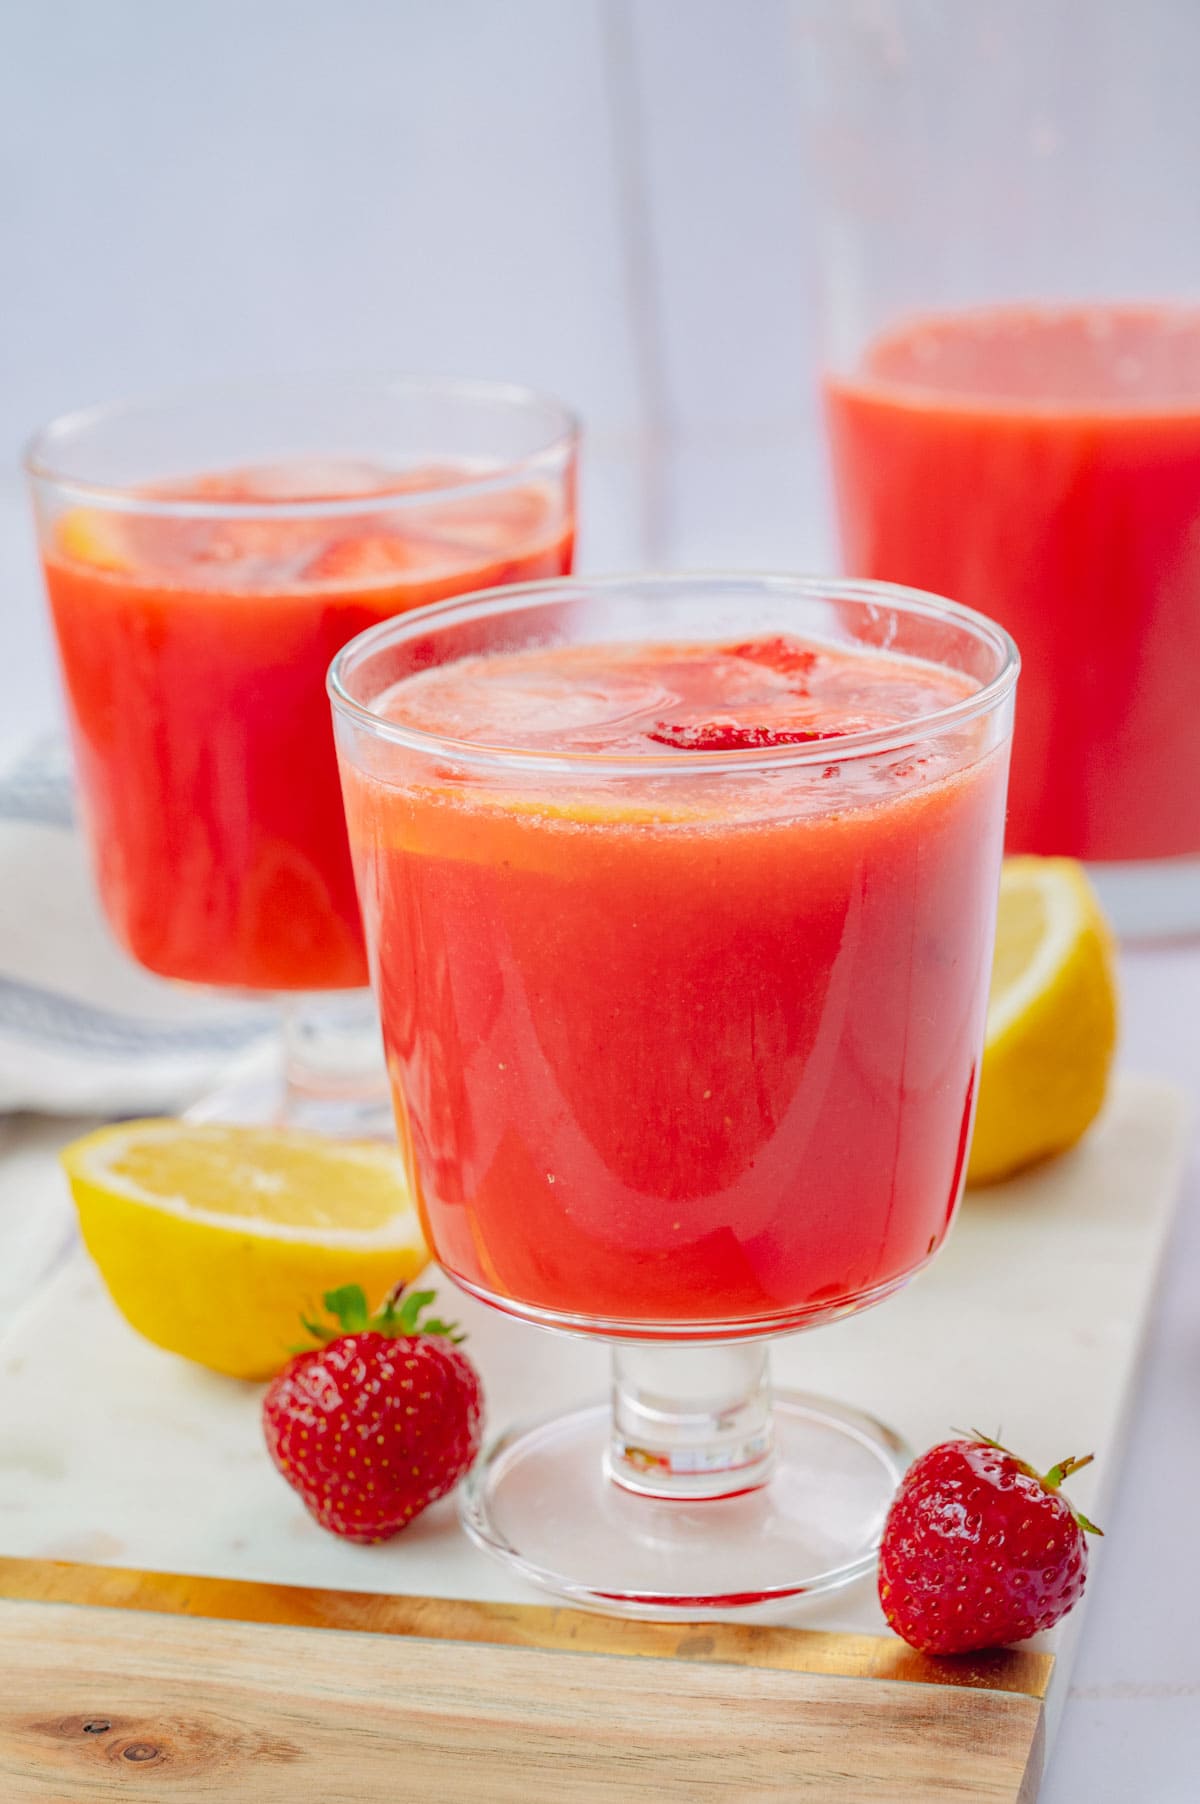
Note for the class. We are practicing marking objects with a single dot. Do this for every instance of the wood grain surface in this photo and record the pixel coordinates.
(520, 1625)
(101, 1704)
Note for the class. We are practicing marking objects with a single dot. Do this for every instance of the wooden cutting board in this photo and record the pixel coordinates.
(119, 1684)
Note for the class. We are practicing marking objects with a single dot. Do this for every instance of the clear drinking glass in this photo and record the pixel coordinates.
(683, 1049)
(205, 556)
(1010, 262)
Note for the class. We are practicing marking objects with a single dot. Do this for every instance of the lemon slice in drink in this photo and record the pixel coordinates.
(1051, 1022)
(213, 1240)
(88, 536)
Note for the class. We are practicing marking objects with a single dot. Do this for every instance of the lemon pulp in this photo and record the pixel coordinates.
(1051, 1022)
(214, 1239)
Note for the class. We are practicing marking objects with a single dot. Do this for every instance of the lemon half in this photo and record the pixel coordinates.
(214, 1239)
(1051, 1021)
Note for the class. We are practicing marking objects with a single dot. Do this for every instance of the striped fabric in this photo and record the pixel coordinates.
(82, 1029)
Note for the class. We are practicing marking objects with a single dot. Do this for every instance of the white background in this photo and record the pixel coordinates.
(605, 198)
(598, 197)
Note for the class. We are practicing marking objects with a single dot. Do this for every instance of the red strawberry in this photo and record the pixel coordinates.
(978, 1550)
(723, 735)
(379, 1420)
(364, 556)
(779, 654)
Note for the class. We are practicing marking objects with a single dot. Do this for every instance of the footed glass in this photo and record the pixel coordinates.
(205, 556)
(680, 896)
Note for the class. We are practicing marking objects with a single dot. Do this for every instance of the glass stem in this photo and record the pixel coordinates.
(691, 1421)
(331, 1051)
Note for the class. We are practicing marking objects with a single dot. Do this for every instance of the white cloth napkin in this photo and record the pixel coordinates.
(83, 1030)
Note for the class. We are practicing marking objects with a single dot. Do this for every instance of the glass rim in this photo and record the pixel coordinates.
(483, 603)
(563, 435)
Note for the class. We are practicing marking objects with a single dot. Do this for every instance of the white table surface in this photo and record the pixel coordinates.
(1130, 1733)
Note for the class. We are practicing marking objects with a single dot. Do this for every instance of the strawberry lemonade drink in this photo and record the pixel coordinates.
(1043, 463)
(204, 562)
(680, 896)
(695, 1048)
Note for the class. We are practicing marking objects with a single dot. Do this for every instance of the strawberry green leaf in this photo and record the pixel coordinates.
(399, 1315)
(976, 1434)
(349, 1305)
(407, 1319)
(387, 1314)
(410, 1309)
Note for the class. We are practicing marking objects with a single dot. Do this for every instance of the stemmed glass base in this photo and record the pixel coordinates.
(694, 1493)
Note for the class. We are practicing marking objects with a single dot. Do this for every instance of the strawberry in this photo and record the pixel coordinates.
(780, 654)
(978, 1550)
(378, 1420)
(724, 735)
(363, 557)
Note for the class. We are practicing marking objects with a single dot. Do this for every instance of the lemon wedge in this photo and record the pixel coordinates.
(88, 536)
(213, 1240)
(1051, 1021)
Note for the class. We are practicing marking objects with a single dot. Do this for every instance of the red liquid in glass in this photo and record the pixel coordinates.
(1043, 466)
(194, 654)
(692, 1054)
